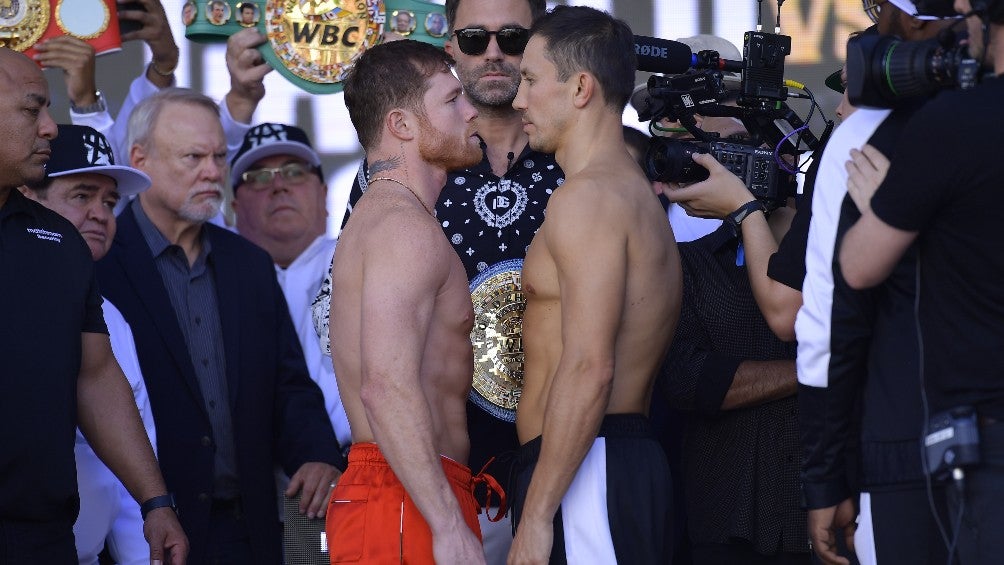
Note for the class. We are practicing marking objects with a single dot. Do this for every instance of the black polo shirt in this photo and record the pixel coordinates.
(48, 297)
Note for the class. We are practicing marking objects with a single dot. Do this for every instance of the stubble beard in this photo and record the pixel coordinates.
(31, 173)
(495, 97)
(542, 143)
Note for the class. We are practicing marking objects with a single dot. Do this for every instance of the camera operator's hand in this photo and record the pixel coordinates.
(247, 71)
(76, 58)
(715, 197)
(866, 170)
(155, 31)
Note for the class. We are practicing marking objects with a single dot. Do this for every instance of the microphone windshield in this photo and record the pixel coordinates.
(657, 55)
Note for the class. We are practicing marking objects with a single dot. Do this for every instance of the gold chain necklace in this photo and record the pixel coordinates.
(431, 212)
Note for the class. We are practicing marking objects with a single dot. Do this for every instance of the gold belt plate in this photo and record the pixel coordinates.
(22, 22)
(497, 339)
(317, 41)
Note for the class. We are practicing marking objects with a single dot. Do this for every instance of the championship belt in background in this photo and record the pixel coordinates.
(497, 339)
(23, 23)
(313, 43)
(420, 20)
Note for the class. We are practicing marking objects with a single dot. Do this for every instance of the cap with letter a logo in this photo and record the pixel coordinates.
(82, 149)
(266, 140)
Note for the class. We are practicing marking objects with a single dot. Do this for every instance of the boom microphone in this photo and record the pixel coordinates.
(657, 55)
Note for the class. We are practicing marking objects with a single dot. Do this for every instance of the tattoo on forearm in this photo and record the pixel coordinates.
(384, 165)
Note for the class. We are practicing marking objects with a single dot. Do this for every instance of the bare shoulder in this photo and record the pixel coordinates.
(579, 194)
(395, 232)
(600, 192)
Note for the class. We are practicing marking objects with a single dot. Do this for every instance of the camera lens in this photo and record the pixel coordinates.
(883, 70)
(670, 160)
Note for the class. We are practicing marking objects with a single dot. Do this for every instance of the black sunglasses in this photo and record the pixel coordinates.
(474, 40)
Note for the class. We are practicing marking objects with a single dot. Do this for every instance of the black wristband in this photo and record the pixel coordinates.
(162, 501)
(736, 218)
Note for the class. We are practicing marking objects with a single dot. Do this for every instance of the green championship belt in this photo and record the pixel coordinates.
(22, 22)
(313, 43)
(417, 19)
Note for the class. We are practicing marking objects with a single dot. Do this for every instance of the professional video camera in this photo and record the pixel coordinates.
(694, 83)
(882, 71)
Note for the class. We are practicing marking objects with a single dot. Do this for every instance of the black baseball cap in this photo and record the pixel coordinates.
(268, 139)
(83, 149)
(833, 81)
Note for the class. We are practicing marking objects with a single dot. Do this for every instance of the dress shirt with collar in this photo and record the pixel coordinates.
(192, 291)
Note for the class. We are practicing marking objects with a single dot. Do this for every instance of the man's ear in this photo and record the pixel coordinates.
(585, 88)
(401, 124)
(137, 156)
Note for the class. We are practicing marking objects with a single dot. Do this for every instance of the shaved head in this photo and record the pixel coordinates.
(8, 58)
(25, 124)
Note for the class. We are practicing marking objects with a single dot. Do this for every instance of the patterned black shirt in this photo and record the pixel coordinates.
(741, 467)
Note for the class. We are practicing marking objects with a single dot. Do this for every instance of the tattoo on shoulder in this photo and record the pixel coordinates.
(384, 165)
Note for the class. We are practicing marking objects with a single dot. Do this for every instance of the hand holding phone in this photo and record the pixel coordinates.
(128, 24)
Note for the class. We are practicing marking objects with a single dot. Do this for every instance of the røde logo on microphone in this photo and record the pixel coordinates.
(651, 51)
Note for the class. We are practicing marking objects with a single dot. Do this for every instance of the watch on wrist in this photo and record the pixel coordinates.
(98, 106)
(162, 501)
(736, 218)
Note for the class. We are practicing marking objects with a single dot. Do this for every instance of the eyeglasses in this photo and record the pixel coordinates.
(872, 9)
(292, 173)
(474, 40)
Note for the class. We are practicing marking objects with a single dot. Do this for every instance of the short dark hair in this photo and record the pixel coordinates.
(537, 9)
(387, 76)
(247, 6)
(580, 38)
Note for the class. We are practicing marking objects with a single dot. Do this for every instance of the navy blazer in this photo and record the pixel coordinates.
(278, 411)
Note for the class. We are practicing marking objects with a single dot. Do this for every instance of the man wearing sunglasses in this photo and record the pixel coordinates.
(279, 201)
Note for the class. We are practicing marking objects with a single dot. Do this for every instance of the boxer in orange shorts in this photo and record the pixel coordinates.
(373, 520)
(400, 320)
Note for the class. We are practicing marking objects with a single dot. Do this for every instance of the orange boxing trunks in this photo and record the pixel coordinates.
(371, 519)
